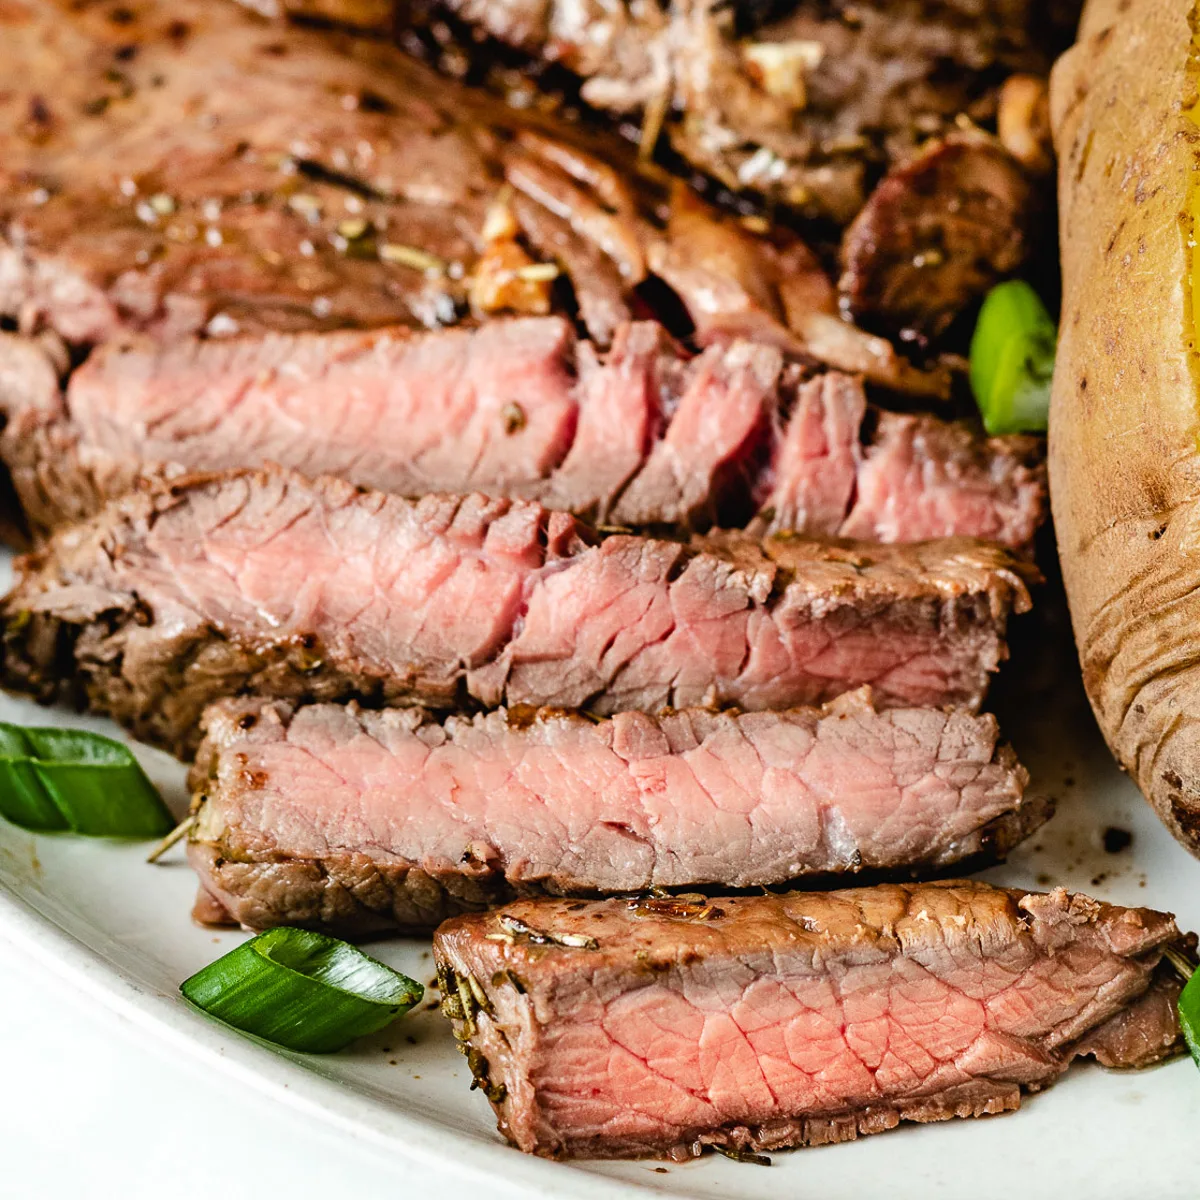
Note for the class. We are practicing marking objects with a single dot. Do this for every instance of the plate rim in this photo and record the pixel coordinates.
(391, 1134)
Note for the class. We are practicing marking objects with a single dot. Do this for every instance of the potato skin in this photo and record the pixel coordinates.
(1124, 427)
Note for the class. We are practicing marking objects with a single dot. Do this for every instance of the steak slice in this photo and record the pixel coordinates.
(638, 435)
(490, 408)
(383, 820)
(270, 584)
(844, 470)
(1142, 1034)
(724, 412)
(622, 399)
(624, 1028)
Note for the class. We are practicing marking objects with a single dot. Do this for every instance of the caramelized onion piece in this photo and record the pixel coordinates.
(738, 285)
(555, 191)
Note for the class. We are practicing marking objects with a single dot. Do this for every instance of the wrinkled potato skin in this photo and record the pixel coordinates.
(1124, 429)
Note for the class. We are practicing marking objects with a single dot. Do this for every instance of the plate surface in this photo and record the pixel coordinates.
(119, 931)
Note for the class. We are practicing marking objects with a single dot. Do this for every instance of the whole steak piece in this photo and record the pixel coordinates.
(177, 167)
(361, 821)
(181, 166)
(268, 583)
(660, 1026)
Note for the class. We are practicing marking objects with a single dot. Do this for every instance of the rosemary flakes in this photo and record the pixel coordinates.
(482, 1001)
(467, 1002)
(539, 937)
(495, 1092)
(689, 907)
(411, 256)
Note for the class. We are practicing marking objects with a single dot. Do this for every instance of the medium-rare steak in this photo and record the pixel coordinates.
(842, 469)
(269, 584)
(181, 166)
(658, 1026)
(638, 436)
(361, 821)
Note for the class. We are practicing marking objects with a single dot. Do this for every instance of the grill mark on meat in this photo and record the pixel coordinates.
(321, 172)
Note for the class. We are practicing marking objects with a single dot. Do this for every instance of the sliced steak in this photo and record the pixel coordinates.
(1145, 1032)
(383, 820)
(461, 410)
(846, 471)
(625, 1028)
(268, 584)
(621, 401)
(726, 410)
(918, 473)
(820, 456)
(639, 435)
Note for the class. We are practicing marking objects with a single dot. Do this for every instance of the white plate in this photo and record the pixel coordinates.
(119, 931)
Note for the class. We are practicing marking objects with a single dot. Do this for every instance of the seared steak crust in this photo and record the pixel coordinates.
(544, 800)
(270, 584)
(625, 1028)
(935, 234)
(187, 168)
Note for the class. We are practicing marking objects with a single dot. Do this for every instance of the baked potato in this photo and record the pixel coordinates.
(1124, 419)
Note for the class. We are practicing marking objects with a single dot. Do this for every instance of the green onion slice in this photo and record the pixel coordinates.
(1189, 1014)
(55, 780)
(302, 990)
(1012, 359)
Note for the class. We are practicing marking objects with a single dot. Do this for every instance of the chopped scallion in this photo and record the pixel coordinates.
(1012, 360)
(55, 780)
(1189, 1003)
(302, 990)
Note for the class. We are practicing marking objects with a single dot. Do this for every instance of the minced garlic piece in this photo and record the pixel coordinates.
(506, 278)
(780, 67)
